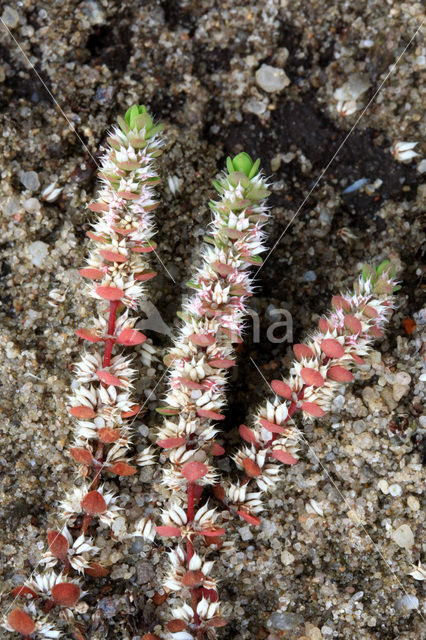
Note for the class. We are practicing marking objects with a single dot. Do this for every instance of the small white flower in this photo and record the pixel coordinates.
(403, 151)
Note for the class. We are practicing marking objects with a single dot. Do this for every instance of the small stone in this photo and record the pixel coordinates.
(10, 17)
(11, 206)
(255, 106)
(94, 12)
(144, 572)
(309, 276)
(383, 486)
(245, 533)
(395, 490)
(30, 180)
(38, 251)
(276, 162)
(421, 167)
(407, 603)
(285, 621)
(403, 537)
(413, 503)
(287, 558)
(32, 205)
(271, 79)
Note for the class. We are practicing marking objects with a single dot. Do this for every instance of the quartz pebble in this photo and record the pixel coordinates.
(403, 536)
(10, 17)
(30, 180)
(271, 79)
(284, 621)
(413, 503)
(38, 251)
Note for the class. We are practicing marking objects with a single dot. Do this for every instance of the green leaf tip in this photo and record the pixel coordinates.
(137, 117)
(243, 164)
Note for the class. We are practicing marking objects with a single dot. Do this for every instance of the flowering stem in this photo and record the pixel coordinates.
(109, 342)
(190, 553)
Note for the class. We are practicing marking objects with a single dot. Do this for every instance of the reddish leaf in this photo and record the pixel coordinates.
(109, 293)
(131, 337)
(193, 579)
(65, 594)
(369, 311)
(94, 503)
(127, 195)
(21, 622)
(283, 456)
(339, 374)
(23, 591)
(221, 363)
(112, 256)
(170, 443)
(98, 207)
(92, 274)
(332, 348)
(86, 334)
(248, 517)
(145, 248)
(357, 359)
(217, 450)
(144, 277)
(176, 625)
(251, 467)
(234, 336)
(376, 332)
(282, 389)
(223, 269)
(271, 426)
(122, 469)
(109, 378)
(189, 383)
(58, 545)
(302, 351)
(132, 412)
(158, 598)
(193, 471)
(211, 594)
(123, 232)
(210, 533)
(217, 621)
(94, 237)
(247, 434)
(151, 636)
(81, 455)
(313, 409)
(312, 377)
(82, 412)
(108, 435)
(96, 570)
(167, 411)
(202, 339)
(207, 413)
(168, 532)
(339, 302)
(353, 324)
(324, 325)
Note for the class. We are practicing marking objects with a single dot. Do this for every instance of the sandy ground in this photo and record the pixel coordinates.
(326, 569)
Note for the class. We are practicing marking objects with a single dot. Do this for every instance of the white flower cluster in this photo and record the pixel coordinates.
(322, 365)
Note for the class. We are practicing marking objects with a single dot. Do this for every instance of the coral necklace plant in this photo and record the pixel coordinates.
(199, 359)
(101, 402)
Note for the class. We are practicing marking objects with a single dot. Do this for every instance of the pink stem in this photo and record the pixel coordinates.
(189, 555)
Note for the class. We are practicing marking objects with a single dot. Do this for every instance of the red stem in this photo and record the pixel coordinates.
(189, 554)
(109, 344)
